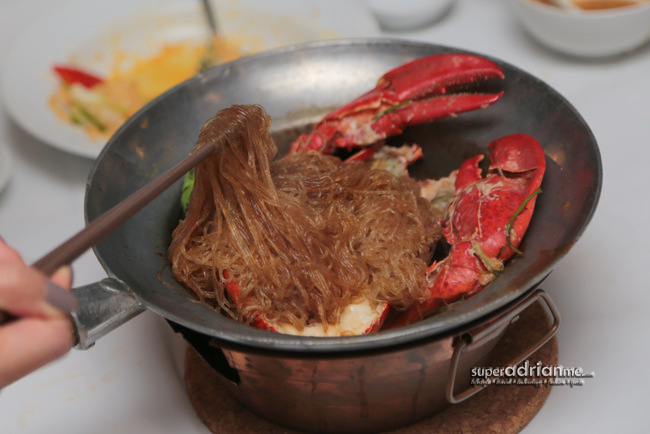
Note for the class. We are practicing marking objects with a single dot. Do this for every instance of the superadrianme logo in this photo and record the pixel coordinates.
(526, 374)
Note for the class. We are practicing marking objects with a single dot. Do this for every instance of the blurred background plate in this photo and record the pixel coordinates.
(87, 32)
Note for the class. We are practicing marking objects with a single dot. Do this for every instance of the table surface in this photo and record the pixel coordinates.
(131, 381)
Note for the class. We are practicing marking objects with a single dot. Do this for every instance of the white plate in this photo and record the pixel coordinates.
(5, 166)
(86, 32)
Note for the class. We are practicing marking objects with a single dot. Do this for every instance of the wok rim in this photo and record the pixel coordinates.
(439, 325)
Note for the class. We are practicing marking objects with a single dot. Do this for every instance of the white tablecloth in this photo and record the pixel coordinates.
(129, 383)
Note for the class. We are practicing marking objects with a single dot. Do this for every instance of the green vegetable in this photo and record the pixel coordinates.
(209, 59)
(86, 117)
(508, 227)
(391, 109)
(188, 185)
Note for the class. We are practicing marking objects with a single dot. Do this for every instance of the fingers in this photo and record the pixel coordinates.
(59, 295)
(63, 277)
(26, 292)
(31, 343)
(42, 332)
(22, 291)
(7, 253)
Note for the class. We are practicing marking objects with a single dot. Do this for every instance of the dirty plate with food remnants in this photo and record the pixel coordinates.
(97, 62)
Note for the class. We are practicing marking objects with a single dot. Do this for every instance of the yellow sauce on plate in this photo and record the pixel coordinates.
(133, 82)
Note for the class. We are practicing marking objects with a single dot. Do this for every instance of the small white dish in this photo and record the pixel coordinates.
(586, 33)
(408, 14)
(6, 161)
(87, 30)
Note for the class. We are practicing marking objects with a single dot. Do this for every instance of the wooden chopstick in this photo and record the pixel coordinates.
(103, 225)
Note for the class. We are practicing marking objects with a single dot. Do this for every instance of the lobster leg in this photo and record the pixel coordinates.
(486, 221)
(411, 94)
(232, 287)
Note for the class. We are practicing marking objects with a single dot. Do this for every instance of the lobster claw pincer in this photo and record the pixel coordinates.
(486, 221)
(411, 94)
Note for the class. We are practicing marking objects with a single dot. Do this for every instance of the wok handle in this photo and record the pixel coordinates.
(495, 327)
(103, 306)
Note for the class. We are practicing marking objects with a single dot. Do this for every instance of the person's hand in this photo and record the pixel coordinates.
(40, 333)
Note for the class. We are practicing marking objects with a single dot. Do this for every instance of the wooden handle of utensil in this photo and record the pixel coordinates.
(106, 223)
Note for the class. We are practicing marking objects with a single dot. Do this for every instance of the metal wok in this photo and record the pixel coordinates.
(296, 86)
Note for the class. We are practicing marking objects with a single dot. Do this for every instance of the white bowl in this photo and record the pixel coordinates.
(586, 33)
(408, 14)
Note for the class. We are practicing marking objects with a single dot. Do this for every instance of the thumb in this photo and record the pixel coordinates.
(57, 290)
(63, 277)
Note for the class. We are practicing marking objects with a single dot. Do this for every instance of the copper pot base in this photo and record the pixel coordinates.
(505, 409)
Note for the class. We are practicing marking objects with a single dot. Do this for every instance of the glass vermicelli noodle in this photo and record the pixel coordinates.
(302, 236)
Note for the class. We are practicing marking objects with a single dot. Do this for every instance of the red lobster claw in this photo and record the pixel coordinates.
(411, 94)
(486, 220)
